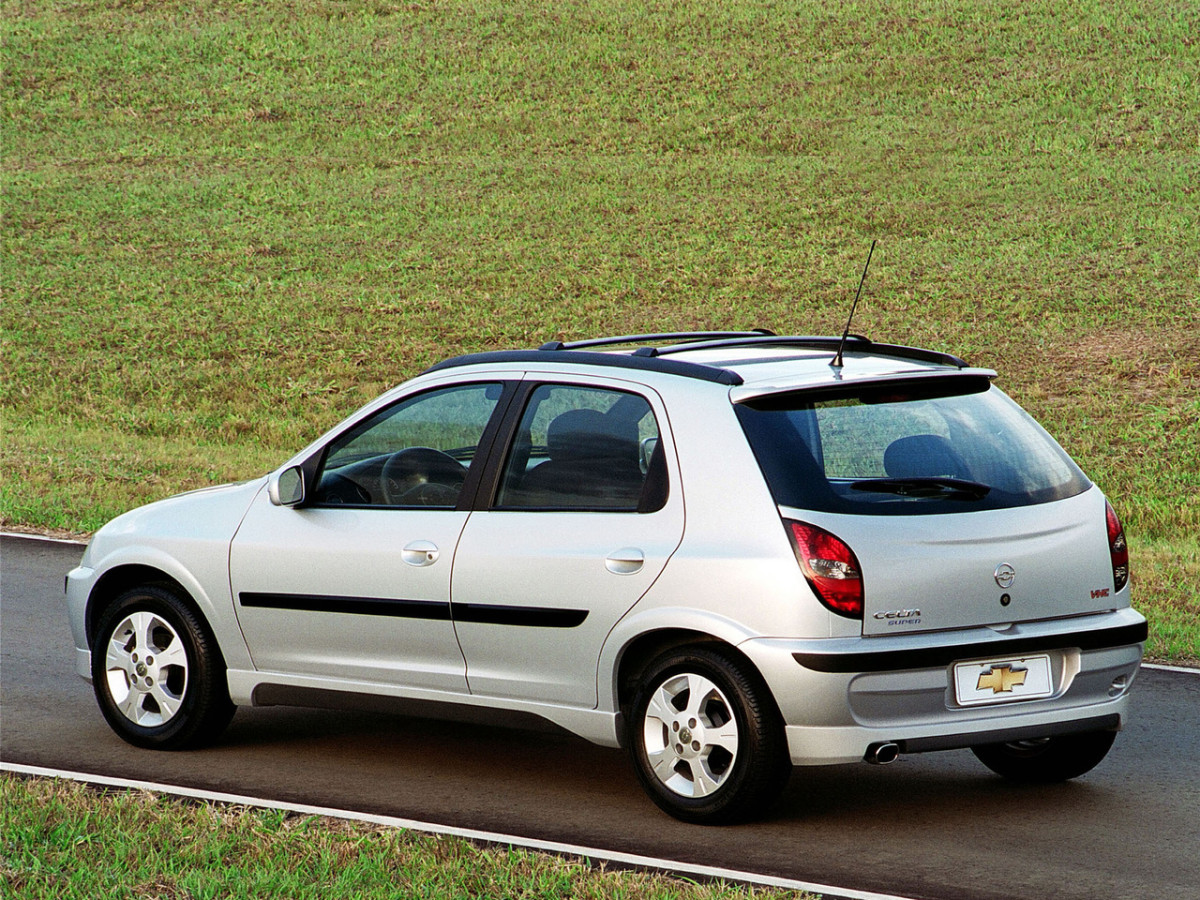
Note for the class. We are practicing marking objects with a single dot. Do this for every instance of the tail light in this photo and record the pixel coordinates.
(831, 568)
(1117, 548)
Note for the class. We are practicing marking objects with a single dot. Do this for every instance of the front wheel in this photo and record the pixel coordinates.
(706, 738)
(1047, 760)
(158, 675)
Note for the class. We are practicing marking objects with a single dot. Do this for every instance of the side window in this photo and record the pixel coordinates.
(584, 448)
(414, 453)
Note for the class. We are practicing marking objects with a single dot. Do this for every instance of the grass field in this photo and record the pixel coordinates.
(67, 841)
(226, 225)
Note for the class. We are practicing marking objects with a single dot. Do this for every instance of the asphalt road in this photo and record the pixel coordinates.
(936, 826)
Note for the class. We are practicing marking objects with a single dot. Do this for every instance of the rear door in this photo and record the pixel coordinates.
(587, 510)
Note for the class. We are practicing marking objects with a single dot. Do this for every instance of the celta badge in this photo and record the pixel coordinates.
(1001, 679)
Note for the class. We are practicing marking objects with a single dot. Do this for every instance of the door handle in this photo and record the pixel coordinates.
(420, 553)
(625, 561)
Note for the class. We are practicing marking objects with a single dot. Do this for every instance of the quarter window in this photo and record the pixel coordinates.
(585, 449)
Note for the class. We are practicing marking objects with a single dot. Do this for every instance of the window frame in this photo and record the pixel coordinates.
(314, 466)
(497, 463)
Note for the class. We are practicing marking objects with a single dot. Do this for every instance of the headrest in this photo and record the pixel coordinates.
(590, 434)
(923, 455)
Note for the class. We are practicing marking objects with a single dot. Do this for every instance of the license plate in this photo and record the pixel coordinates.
(1002, 681)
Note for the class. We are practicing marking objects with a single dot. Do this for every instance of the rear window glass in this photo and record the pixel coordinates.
(957, 446)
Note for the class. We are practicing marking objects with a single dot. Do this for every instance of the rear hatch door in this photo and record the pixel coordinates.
(991, 567)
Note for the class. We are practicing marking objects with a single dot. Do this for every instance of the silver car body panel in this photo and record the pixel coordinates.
(304, 612)
(186, 538)
(835, 716)
(251, 687)
(553, 583)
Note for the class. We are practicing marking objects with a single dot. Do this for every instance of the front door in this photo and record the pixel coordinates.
(355, 585)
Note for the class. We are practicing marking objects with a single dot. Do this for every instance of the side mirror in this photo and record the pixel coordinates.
(287, 488)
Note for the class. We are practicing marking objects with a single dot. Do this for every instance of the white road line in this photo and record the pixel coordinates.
(489, 837)
(42, 537)
(1165, 668)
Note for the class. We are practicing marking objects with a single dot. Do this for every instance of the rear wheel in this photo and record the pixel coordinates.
(1046, 760)
(707, 741)
(158, 675)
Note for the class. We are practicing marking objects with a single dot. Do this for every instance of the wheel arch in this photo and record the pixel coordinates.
(119, 579)
(197, 571)
(637, 655)
(754, 769)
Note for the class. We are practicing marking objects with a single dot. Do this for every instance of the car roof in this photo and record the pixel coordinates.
(751, 362)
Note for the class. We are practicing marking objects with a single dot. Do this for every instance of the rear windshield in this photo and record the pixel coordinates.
(960, 445)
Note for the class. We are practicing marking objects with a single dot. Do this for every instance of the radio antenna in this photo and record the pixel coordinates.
(837, 359)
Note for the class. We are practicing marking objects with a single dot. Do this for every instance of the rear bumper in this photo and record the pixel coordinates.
(840, 696)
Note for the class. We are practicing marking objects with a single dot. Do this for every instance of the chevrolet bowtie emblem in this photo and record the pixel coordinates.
(1001, 679)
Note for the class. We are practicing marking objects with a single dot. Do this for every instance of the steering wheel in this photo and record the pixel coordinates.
(421, 476)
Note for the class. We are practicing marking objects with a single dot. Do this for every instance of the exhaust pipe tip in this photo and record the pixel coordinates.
(883, 753)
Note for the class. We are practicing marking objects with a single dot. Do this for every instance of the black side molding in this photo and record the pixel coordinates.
(527, 616)
(481, 613)
(934, 657)
(355, 606)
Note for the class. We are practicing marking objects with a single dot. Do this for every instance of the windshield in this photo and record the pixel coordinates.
(958, 445)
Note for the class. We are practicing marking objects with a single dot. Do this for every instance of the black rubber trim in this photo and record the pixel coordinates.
(355, 606)
(524, 616)
(272, 694)
(1111, 722)
(586, 358)
(935, 657)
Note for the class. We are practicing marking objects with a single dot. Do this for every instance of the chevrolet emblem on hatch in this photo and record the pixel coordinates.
(1001, 679)
(1005, 575)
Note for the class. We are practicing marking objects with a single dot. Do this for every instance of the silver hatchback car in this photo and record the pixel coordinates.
(731, 553)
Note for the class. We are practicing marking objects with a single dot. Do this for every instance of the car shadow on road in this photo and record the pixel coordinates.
(524, 769)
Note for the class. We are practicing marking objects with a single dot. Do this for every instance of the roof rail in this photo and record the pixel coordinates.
(654, 359)
(643, 362)
(673, 336)
(815, 342)
(854, 342)
(683, 341)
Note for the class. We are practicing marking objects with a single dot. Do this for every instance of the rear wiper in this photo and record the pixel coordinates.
(931, 486)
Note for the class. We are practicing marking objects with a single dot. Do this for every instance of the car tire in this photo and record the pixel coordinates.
(707, 740)
(157, 673)
(1047, 760)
